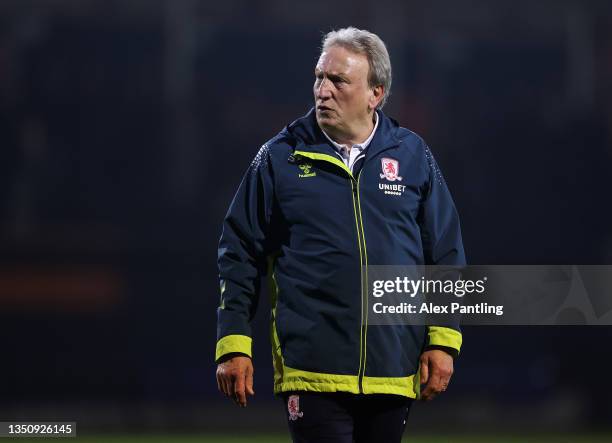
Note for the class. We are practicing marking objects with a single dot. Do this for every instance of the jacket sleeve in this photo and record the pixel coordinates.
(242, 257)
(442, 245)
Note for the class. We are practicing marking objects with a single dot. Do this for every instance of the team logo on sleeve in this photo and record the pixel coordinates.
(390, 169)
(293, 406)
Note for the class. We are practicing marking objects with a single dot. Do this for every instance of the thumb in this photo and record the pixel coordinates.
(424, 370)
(249, 381)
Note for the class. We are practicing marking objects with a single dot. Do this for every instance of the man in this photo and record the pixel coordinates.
(312, 213)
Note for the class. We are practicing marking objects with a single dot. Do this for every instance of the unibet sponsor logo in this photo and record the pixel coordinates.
(305, 167)
(392, 189)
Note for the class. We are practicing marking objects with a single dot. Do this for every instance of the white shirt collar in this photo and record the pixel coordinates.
(344, 149)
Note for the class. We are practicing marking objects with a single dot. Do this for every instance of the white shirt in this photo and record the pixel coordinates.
(350, 155)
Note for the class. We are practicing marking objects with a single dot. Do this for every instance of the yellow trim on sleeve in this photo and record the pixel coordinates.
(441, 336)
(234, 343)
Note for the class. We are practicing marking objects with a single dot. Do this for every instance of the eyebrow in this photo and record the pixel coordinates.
(332, 76)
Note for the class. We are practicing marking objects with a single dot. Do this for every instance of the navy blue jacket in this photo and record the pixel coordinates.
(303, 219)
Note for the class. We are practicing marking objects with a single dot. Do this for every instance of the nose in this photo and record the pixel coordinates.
(323, 91)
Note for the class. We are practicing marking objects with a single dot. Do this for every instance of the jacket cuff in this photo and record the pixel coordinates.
(446, 337)
(234, 344)
(450, 351)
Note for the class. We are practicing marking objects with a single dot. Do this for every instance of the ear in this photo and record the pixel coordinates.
(376, 96)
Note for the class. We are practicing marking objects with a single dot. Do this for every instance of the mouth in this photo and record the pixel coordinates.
(323, 108)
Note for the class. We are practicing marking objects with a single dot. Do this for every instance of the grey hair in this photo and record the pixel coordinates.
(369, 44)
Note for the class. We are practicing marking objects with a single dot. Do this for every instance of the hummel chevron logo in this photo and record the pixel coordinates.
(305, 167)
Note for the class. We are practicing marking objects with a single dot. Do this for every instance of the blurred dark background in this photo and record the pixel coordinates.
(126, 126)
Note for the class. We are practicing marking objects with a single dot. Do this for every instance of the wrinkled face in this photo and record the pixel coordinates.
(343, 98)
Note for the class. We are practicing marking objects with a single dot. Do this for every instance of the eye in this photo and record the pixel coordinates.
(336, 80)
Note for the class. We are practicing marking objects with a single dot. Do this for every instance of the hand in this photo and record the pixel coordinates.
(436, 371)
(235, 379)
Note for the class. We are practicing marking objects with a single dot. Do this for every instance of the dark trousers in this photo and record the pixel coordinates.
(339, 417)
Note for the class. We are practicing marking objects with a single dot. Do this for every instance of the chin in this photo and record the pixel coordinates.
(326, 122)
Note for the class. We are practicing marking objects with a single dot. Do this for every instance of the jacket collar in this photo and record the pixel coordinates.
(310, 138)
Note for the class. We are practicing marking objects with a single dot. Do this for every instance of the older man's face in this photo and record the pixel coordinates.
(341, 91)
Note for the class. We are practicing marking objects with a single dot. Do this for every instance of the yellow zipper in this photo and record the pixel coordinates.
(363, 257)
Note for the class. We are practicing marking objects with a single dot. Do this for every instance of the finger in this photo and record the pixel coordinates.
(432, 388)
(226, 383)
(428, 393)
(428, 397)
(231, 386)
(444, 381)
(249, 381)
(223, 385)
(239, 394)
(424, 371)
(219, 387)
(435, 382)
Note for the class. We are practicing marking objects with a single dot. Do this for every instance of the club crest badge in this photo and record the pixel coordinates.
(293, 406)
(390, 169)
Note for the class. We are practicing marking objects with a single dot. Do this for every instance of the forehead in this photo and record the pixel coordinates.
(339, 60)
